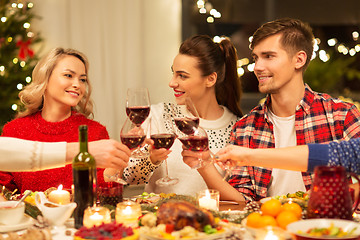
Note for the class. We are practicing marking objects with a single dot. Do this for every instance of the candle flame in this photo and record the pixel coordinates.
(270, 235)
(127, 210)
(60, 187)
(207, 194)
(96, 215)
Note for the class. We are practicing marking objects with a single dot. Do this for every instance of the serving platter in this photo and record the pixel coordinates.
(238, 231)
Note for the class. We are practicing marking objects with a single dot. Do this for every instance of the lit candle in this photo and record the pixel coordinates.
(128, 213)
(96, 216)
(209, 199)
(270, 233)
(59, 196)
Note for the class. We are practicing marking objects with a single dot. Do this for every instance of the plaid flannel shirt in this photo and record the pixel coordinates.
(318, 119)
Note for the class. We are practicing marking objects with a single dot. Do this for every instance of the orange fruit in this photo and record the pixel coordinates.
(293, 207)
(286, 217)
(253, 220)
(271, 207)
(267, 220)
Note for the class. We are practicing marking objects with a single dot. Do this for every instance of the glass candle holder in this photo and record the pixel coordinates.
(209, 199)
(128, 213)
(96, 216)
(110, 193)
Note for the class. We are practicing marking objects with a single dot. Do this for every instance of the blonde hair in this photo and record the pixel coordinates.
(33, 94)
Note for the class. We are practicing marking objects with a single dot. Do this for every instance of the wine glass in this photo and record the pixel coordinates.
(137, 110)
(186, 117)
(228, 167)
(196, 141)
(132, 136)
(137, 105)
(189, 132)
(163, 139)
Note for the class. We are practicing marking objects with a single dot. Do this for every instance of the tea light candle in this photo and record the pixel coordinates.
(59, 196)
(209, 199)
(96, 216)
(128, 213)
(270, 233)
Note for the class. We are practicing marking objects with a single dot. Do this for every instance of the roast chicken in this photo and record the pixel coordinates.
(182, 214)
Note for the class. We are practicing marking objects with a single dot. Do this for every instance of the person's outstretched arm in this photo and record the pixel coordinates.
(291, 158)
(24, 155)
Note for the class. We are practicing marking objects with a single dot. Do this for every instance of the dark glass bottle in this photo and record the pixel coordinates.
(84, 177)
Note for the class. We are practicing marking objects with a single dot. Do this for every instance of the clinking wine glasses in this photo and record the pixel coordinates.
(137, 110)
(192, 136)
(132, 136)
(163, 139)
(196, 141)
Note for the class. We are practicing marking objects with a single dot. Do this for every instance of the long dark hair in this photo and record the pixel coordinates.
(222, 59)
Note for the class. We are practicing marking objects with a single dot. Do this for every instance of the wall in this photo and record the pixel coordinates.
(128, 42)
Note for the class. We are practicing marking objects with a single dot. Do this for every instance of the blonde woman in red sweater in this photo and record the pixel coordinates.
(56, 102)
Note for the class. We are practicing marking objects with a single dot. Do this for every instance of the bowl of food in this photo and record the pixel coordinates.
(11, 214)
(325, 229)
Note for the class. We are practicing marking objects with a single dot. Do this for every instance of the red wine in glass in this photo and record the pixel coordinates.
(195, 143)
(138, 114)
(187, 125)
(132, 141)
(163, 140)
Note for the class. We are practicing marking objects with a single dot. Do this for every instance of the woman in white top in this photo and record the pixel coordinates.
(206, 72)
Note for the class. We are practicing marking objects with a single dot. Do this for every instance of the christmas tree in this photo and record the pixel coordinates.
(17, 59)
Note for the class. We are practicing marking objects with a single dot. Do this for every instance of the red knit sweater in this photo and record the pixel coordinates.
(34, 127)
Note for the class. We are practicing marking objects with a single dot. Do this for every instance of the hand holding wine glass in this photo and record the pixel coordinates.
(132, 136)
(163, 139)
(196, 142)
(225, 159)
(192, 136)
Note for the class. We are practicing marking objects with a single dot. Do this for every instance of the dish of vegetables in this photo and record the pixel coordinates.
(325, 229)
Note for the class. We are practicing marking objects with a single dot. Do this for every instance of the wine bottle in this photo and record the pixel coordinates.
(84, 178)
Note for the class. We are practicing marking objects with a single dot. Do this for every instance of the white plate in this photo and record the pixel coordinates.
(27, 221)
(304, 225)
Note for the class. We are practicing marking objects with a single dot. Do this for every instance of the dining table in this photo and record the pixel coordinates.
(66, 232)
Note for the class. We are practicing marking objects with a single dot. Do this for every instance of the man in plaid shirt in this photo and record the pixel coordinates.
(292, 114)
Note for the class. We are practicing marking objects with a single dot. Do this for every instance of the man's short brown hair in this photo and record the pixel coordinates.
(296, 36)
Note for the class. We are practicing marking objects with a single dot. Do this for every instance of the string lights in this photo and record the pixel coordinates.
(244, 63)
(22, 60)
(205, 7)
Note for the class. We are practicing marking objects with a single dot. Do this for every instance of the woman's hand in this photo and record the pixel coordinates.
(191, 158)
(157, 155)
